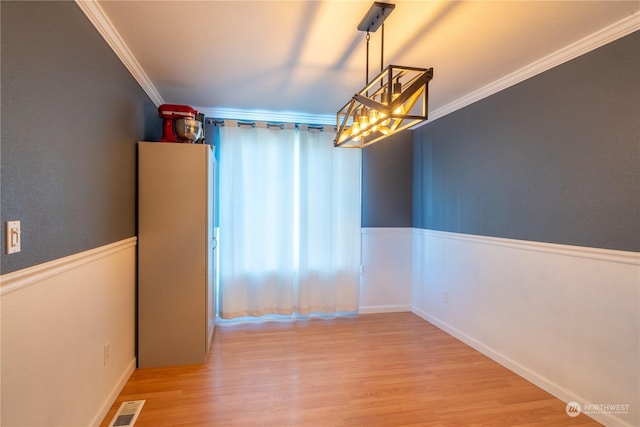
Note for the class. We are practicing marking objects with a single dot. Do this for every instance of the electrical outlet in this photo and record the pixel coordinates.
(106, 353)
(445, 298)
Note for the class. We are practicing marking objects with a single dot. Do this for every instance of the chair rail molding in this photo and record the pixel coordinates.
(16, 280)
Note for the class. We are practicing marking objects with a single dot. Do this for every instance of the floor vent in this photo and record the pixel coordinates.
(127, 414)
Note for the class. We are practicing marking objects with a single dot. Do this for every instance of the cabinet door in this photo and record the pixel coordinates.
(212, 250)
(173, 254)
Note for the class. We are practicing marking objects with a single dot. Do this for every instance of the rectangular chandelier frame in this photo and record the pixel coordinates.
(369, 116)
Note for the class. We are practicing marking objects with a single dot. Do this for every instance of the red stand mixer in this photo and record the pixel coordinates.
(181, 123)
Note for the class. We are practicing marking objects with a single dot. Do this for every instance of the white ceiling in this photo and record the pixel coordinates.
(308, 57)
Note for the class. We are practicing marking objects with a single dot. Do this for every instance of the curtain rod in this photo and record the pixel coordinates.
(220, 122)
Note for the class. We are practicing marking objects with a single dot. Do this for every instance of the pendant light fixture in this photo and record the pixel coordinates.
(394, 100)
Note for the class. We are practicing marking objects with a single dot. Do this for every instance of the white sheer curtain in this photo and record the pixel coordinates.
(329, 246)
(289, 223)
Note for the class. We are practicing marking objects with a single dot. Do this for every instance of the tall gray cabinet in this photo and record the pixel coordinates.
(176, 253)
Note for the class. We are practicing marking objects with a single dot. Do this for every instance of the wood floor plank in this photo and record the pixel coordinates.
(391, 369)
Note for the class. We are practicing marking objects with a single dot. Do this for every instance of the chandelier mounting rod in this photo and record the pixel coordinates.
(375, 16)
(373, 114)
(382, 48)
(366, 75)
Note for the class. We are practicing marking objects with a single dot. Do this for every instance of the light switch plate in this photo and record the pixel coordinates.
(12, 234)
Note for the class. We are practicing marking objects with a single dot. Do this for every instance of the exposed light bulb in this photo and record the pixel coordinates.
(355, 128)
(373, 119)
(397, 89)
(384, 99)
(343, 135)
(364, 119)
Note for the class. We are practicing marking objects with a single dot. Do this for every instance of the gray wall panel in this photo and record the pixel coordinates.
(71, 116)
(387, 182)
(555, 158)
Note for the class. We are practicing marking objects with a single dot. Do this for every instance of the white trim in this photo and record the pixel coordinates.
(619, 29)
(591, 42)
(539, 380)
(101, 22)
(267, 116)
(28, 276)
(386, 272)
(74, 307)
(609, 255)
(122, 381)
(386, 230)
(384, 309)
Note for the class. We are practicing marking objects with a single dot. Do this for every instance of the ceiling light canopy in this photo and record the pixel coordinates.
(394, 100)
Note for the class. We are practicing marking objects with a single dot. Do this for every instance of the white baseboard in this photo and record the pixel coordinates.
(385, 280)
(563, 317)
(384, 309)
(531, 376)
(81, 309)
(114, 393)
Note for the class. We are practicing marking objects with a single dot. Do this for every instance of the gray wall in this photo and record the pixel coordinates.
(71, 116)
(552, 159)
(387, 182)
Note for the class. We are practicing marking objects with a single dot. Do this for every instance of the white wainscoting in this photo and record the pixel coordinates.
(56, 319)
(385, 284)
(566, 318)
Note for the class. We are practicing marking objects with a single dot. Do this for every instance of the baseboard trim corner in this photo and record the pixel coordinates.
(526, 373)
(372, 309)
(122, 381)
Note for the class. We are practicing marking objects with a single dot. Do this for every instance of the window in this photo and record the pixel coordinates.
(289, 223)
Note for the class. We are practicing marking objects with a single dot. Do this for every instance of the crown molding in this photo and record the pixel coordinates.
(591, 42)
(617, 30)
(101, 22)
(267, 116)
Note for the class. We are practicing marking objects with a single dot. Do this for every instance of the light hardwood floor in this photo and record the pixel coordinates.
(390, 369)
